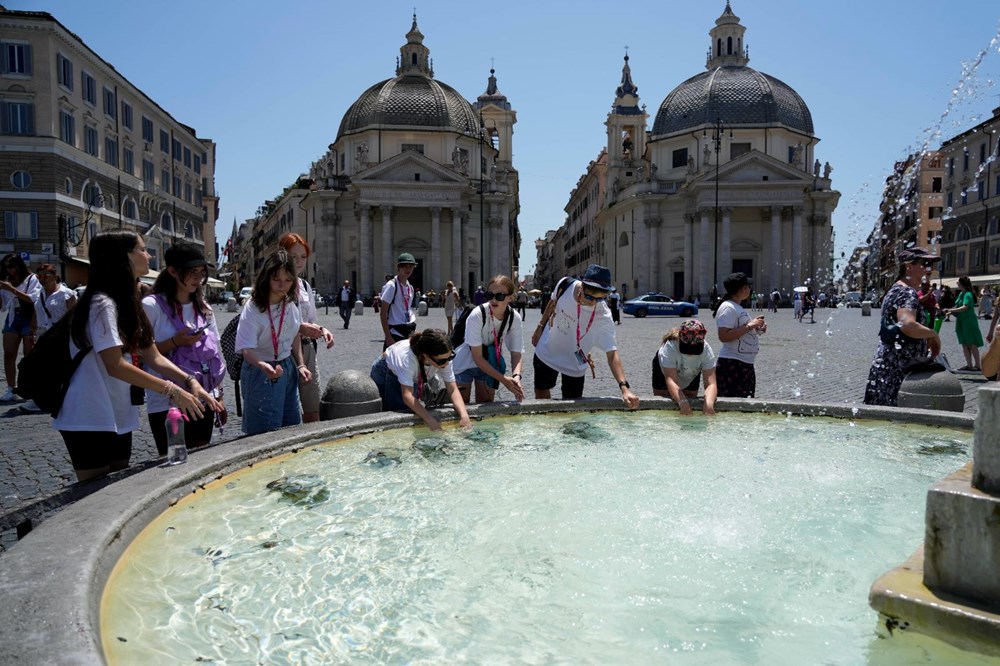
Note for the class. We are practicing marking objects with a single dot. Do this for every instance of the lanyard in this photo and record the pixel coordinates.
(421, 377)
(589, 324)
(406, 295)
(275, 335)
(497, 342)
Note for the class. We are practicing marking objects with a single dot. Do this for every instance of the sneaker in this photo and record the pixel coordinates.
(8, 396)
(30, 406)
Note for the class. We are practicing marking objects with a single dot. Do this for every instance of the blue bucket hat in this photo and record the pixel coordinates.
(598, 277)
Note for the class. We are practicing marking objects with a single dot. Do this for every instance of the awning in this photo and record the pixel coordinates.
(79, 260)
(217, 284)
(150, 277)
(976, 280)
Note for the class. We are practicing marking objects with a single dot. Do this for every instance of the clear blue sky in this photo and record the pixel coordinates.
(269, 81)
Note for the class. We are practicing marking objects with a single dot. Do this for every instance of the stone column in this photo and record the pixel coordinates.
(456, 247)
(640, 240)
(653, 225)
(775, 248)
(464, 267)
(388, 263)
(797, 247)
(688, 255)
(704, 279)
(435, 275)
(725, 252)
(365, 252)
(503, 249)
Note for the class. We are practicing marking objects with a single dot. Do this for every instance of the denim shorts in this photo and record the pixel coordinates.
(269, 405)
(20, 325)
(473, 374)
(389, 388)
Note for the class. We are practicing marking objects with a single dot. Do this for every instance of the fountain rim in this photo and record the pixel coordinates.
(52, 581)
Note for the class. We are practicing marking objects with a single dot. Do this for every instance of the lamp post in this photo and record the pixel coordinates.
(718, 128)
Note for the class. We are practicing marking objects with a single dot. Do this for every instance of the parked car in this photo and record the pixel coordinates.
(226, 295)
(245, 293)
(852, 299)
(653, 304)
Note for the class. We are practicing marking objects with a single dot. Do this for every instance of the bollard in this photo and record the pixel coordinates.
(866, 308)
(422, 309)
(349, 393)
(931, 388)
(359, 308)
(231, 305)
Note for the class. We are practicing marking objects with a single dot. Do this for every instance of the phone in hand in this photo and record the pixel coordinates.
(198, 330)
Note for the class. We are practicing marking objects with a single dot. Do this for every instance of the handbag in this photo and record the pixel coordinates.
(490, 354)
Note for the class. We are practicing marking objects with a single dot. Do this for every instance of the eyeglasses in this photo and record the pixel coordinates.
(595, 299)
(498, 296)
(927, 263)
(442, 361)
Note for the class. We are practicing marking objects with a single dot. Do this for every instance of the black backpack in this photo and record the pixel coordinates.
(44, 374)
(458, 333)
(234, 361)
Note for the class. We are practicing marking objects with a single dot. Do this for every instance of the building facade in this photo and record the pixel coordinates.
(82, 149)
(584, 242)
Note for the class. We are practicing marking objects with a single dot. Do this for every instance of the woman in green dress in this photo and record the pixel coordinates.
(967, 324)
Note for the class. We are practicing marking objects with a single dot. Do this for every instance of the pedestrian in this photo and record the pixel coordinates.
(185, 331)
(398, 318)
(986, 304)
(100, 410)
(479, 359)
(947, 302)
(739, 335)
(967, 324)
(614, 302)
(775, 299)
(682, 362)
(577, 320)
(310, 330)
(521, 302)
(902, 338)
(268, 337)
(19, 288)
(53, 302)
(927, 300)
(797, 306)
(418, 370)
(346, 297)
(452, 302)
(479, 296)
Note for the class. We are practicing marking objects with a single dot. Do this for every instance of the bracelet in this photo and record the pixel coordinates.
(516, 374)
(189, 379)
(302, 366)
(683, 401)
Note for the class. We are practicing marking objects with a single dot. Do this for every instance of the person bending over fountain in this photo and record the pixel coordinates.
(683, 360)
(416, 372)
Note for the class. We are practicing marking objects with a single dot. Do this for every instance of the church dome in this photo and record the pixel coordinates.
(738, 96)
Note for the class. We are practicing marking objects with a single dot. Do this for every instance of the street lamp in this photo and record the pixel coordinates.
(718, 129)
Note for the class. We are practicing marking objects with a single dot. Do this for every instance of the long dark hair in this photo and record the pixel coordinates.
(111, 274)
(17, 262)
(262, 285)
(166, 284)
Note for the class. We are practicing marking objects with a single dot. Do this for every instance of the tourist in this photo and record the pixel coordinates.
(986, 304)
(927, 299)
(479, 296)
(100, 410)
(967, 324)
(614, 302)
(53, 302)
(683, 360)
(479, 359)
(521, 302)
(902, 338)
(739, 335)
(346, 297)
(298, 249)
(947, 302)
(452, 302)
(19, 288)
(185, 331)
(268, 337)
(421, 364)
(398, 318)
(576, 320)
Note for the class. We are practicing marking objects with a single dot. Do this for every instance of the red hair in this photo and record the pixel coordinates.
(290, 240)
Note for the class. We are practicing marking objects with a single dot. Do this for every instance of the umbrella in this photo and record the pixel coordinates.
(801, 290)
(535, 292)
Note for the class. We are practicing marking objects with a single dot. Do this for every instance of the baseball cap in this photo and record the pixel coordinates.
(184, 255)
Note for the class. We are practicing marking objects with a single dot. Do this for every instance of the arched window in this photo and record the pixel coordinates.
(729, 46)
(963, 233)
(413, 59)
(623, 239)
(166, 223)
(718, 47)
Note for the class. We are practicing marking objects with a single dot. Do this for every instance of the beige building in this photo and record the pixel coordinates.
(584, 242)
(82, 149)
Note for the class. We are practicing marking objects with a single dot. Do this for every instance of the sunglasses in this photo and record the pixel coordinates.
(498, 296)
(442, 361)
(594, 299)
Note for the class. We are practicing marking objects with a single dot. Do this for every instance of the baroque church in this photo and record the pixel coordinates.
(727, 180)
(416, 168)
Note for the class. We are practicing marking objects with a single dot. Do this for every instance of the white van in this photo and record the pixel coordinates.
(245, 293)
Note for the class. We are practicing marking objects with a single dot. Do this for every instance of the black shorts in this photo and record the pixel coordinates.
(196, 433)
(545, 379)
(660, 382)
(94, 450)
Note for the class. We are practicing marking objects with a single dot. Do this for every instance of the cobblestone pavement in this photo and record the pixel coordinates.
(825, 361)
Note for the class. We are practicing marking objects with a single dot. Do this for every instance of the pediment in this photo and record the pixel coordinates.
(403, 167)
(754, 167)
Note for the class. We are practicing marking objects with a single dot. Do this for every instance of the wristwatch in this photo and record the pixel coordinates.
(624, 383)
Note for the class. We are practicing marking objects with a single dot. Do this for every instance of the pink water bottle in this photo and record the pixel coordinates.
(176, 448)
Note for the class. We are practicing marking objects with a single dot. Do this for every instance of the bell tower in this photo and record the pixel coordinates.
(414, 57)
(498, 120)
(727, 47)
(626, 125)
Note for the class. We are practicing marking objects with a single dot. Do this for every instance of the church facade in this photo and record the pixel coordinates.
(726, 180)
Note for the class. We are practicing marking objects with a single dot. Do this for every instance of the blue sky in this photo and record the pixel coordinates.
(269, 82)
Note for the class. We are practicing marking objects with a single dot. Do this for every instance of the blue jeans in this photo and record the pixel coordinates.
(389, 388)
(269, 405)
(345, 313)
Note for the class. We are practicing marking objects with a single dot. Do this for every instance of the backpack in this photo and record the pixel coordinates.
(46, 371)
(458, 333)
(202, 359)
(234, 362)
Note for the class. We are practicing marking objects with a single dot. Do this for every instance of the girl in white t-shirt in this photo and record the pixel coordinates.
(298, 249)
(100, 410)
(414, 367)
(268, 337)
(738, 333)
(683, 360)
(488, 329)
(19, 288)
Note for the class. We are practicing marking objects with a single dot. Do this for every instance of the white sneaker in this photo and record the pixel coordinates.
(8, 396)
(30, 406)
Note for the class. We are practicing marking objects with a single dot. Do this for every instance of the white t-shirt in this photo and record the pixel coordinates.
(745, 348)
(400, 309)
(557, 346)
(307, 302)
(254, 330)
(688, 366)
(404, 364)
(96, 401)
(30, 285)
(57, 303)
(478, 334)
(165, 327)
(345, 296)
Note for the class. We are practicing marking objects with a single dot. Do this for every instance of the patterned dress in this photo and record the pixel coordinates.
(889, 363)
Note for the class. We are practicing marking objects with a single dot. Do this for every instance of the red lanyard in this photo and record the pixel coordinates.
(497, 342)
(275, 335)
(589, 324)
(420, 377)
(406, 295)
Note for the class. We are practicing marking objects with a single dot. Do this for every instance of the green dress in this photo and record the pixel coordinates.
(966, 322)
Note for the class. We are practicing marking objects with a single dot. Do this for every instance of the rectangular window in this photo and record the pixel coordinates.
(965, 160)
(17, 118)
(111, 151)
(90, 140)
(197, 197)
(165, 141)
(110, 104)
(128, 161)
(177, 150)
(977, 258)
(737, 149)
(951, 166)
(165, 181)
(147, 130)
(934, 212)
(982, 153)
(187, 157)
(982, 190)
(16, 58)
(415, 147)
(148, 174)
(177, 186)
(188, 192)
(960, 264)
(936, 184)
(64, 71)
(126, 114)
(88, 88)
(995, 255)
(67, 128)
(951, 199)
(965, 197)
(20, 226)
(680, 158)
(197, 164)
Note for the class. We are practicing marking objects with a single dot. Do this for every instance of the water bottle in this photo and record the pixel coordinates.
(176, 448)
